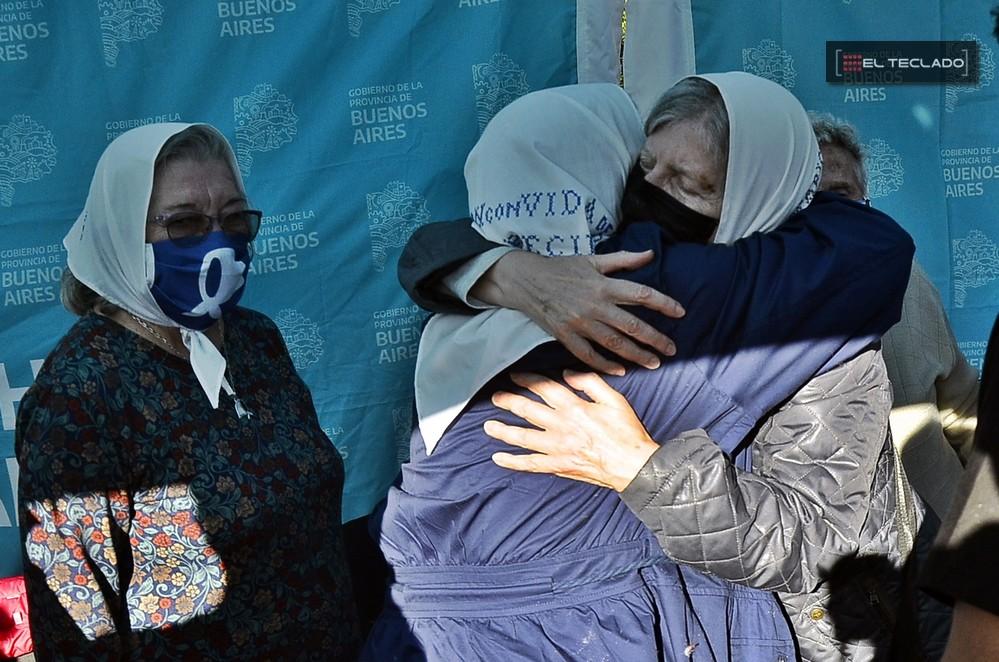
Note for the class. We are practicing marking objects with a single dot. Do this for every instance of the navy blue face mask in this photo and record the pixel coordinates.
(195, 285)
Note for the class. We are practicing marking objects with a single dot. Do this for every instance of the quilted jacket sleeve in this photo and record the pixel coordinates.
(803, 506)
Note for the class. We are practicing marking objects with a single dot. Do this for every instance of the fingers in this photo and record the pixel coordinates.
(619, 260)
(554, 394)
(532, 440)
(533, 412)
(542, 464)
(581, 348)
(587, 331)
(617, 342)
(595, 388)
(644, 333)
(533, 463)
(636, 294)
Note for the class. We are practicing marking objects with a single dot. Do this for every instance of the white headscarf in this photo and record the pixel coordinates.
(547, 175)
(774, 164)
(107, 248)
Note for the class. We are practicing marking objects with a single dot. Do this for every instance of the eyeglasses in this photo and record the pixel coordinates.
(187, 228)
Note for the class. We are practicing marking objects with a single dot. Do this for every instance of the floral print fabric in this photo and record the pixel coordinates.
(157, 527)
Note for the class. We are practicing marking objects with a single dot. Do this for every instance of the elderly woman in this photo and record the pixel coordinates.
(498, 565)
(178, 498)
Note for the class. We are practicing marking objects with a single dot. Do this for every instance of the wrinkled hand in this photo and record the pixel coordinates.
(600, 442)
(574, 300)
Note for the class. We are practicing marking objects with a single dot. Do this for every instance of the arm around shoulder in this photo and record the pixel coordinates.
(433, 252)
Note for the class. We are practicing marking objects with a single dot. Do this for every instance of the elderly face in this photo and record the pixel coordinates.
(840, 172)
(679, 159)
(179, 185)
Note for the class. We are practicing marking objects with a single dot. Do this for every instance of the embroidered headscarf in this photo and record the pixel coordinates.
(547, 176)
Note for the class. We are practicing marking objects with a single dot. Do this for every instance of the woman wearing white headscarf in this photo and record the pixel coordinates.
(495, 565)
(811, 505)
(178, 499)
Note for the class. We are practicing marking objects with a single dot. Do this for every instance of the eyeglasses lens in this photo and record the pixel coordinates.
(244, 223)
(187, 229)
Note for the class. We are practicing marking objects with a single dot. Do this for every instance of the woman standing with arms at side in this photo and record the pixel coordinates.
(178, 498)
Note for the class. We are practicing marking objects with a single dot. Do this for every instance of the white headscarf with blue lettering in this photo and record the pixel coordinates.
(106, 247)
(548, 172)
(547, 175)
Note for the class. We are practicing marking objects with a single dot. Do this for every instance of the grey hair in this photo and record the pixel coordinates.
(694, 99)
(831, 130)
(79, 299)
(199, 143)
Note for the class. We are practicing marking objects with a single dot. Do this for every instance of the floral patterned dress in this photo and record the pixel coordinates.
(157, 527)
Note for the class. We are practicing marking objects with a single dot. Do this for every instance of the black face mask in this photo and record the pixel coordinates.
(643, 201)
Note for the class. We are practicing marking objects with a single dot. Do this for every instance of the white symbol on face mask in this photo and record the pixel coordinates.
(230, 281)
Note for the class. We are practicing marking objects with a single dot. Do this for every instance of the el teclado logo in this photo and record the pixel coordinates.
(893, 62)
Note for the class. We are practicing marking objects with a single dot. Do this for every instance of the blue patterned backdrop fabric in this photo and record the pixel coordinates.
(933, 150)
(351, 121)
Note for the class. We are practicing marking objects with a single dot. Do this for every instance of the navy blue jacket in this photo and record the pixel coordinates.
(765, 315)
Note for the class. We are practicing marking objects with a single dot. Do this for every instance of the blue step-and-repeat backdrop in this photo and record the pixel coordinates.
(352, 119)
(933, 150)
